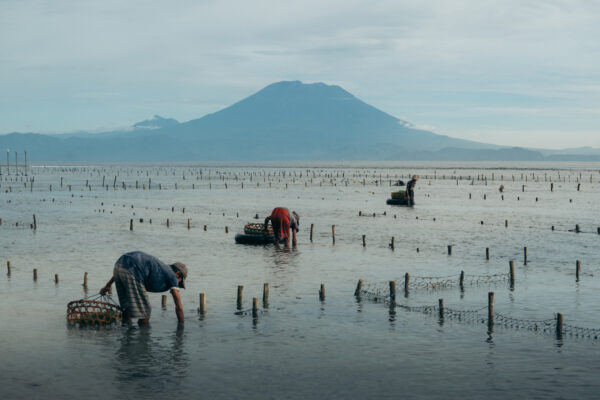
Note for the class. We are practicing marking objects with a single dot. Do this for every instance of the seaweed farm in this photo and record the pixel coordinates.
(487, 288)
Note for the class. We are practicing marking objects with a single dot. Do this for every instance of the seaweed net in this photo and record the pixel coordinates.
(438, 282)
(98, 310)
(480, 316)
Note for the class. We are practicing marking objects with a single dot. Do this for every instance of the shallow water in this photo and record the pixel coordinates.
(300, 346)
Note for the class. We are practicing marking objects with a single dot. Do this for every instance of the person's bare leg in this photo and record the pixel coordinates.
(125, 316)
(143, 321)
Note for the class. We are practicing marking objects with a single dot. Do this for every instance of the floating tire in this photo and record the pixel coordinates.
(242, 238)
(397, 202)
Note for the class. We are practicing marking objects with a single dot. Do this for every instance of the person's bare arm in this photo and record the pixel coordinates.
(294, 237)
(178, 306)
(267, 222)
(106, 288)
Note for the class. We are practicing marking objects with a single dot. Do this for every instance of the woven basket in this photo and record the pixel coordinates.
(96, 311)
(257, 228)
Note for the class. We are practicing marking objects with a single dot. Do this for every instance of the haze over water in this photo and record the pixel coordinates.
(299, 346)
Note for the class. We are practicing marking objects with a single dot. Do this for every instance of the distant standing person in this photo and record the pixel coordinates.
(283, 221)
(410, 190)
(137, 273)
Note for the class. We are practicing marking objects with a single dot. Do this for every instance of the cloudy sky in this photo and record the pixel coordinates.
(507, 72)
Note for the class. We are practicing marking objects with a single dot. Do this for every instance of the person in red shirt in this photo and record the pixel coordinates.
(283, 221)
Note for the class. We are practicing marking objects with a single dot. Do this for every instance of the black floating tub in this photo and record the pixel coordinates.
(243, 238)
(397, 202)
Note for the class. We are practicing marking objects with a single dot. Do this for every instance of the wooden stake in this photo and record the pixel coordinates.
(189, 224)
(55, 278)
(406, 283)
(559, 325)
(205, 227)
(487, 253)
(449, 250)
(35, 274)
(163, 302)
(392, 290)
(333, 234)
(491, 308)
(525, 255)
(392, 243)
(441, 307)
(240, 291)
(511, 272)
(85, 279)
(265, 294)
(8, 268)
(312, 227)
(358, 288)
(322, 292)
(131, 224)
(254, 307)
(168, 223)
(226, 229)
(34, 222)
(577, 269)
(577, 230)
(462, 278)
(202, 308)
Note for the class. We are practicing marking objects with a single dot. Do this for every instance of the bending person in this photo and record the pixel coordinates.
(137, 273)
(282, 222)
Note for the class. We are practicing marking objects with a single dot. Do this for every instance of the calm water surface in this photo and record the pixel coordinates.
(299, 346)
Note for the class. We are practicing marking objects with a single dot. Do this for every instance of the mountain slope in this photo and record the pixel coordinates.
(314, 118)
(283, 121)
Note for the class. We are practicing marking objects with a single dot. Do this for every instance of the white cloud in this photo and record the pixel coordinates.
(72, 64)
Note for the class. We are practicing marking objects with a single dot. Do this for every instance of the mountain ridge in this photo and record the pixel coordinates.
(284, 121)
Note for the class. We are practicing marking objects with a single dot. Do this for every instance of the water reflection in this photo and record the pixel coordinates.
(359, 304)
(392, 314)
(284, 264)
(490, 332)
(147, 361)
(283, 256)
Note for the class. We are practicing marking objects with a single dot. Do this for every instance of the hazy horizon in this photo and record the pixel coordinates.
(518, 74)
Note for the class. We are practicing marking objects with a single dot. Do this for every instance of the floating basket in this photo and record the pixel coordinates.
(257, 228)
(399, 195)
(95, 311)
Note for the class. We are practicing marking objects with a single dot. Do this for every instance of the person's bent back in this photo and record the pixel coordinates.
(137, 273)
